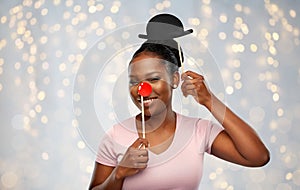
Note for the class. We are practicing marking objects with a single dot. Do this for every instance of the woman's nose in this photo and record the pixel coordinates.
(144, 89)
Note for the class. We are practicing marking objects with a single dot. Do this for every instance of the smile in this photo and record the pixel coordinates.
(147, 101)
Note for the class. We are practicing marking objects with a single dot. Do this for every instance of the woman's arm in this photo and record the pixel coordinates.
(238, 143)
(134, 160)
(104, 177)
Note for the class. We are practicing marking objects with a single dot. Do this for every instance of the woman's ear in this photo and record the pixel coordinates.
(175, 79)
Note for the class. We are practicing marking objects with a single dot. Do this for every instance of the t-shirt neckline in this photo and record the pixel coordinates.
(171, 146)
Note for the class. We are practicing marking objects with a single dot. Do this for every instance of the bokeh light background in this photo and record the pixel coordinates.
(43, 43)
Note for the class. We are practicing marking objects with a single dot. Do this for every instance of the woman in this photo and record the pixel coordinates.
(171, 154)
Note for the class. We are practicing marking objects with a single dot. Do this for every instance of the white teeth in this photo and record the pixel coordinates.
(148, 101)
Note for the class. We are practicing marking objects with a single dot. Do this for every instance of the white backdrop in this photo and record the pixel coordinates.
(63, 83)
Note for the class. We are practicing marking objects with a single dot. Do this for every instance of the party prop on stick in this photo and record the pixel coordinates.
(144, 90)
(180, 57)
(163, 29)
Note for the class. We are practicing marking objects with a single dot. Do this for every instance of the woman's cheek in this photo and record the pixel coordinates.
(133, 89)
(133, 92)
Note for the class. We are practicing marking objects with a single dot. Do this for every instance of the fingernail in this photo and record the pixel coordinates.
(140, 146)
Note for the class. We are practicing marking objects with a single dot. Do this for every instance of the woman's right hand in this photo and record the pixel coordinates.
(134, 160)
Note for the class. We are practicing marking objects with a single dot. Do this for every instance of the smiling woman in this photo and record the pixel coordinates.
(170, 155)
(146, 68)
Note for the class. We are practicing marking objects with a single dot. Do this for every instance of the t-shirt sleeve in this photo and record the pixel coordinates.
(213, 132)
(106, 152)
(207, 131)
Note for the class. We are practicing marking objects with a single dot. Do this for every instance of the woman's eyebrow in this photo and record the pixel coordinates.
(148, 74)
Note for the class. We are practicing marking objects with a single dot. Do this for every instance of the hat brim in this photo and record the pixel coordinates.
(170, 36)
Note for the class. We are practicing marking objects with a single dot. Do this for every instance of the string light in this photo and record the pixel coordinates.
(43, 44)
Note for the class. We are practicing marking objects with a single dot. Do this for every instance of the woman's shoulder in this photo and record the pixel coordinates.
(123, 131)
(197, 122)
(184, 119)
(204, 130)
(125, 122)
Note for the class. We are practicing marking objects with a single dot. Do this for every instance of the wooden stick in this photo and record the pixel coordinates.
(143, 118)
(180, 57)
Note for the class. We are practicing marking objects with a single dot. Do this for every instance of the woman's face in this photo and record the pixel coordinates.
(149, 68)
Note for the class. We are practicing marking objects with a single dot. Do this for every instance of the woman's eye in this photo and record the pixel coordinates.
(133, 83)
(154, 79)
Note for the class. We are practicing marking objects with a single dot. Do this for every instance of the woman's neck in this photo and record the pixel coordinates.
(158, 121)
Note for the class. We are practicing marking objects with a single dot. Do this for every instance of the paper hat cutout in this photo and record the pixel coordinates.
(164, 27)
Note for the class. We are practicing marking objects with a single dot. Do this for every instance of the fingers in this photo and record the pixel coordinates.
(195, 85)
(135, 159)
(192, 84)
(192, 79)
(138, 158)
(191, 75)
(140, 142)
(138, 152)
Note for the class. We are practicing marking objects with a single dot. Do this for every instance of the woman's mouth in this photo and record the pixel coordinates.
(147, 101)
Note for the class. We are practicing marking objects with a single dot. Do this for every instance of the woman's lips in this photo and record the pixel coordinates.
(148, 101)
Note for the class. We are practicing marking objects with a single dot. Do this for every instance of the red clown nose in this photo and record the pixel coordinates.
(144, 89)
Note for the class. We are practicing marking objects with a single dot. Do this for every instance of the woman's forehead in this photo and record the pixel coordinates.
(146, 65)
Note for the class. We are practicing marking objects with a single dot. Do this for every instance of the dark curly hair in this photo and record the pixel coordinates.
(166, 50)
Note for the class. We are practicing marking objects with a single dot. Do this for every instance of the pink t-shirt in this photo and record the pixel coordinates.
(179, 167)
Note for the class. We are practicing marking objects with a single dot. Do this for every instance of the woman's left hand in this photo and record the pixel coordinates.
(194, 85)
(238, 143)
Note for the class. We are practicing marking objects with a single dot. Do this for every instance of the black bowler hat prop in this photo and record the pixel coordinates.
(164, 27)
